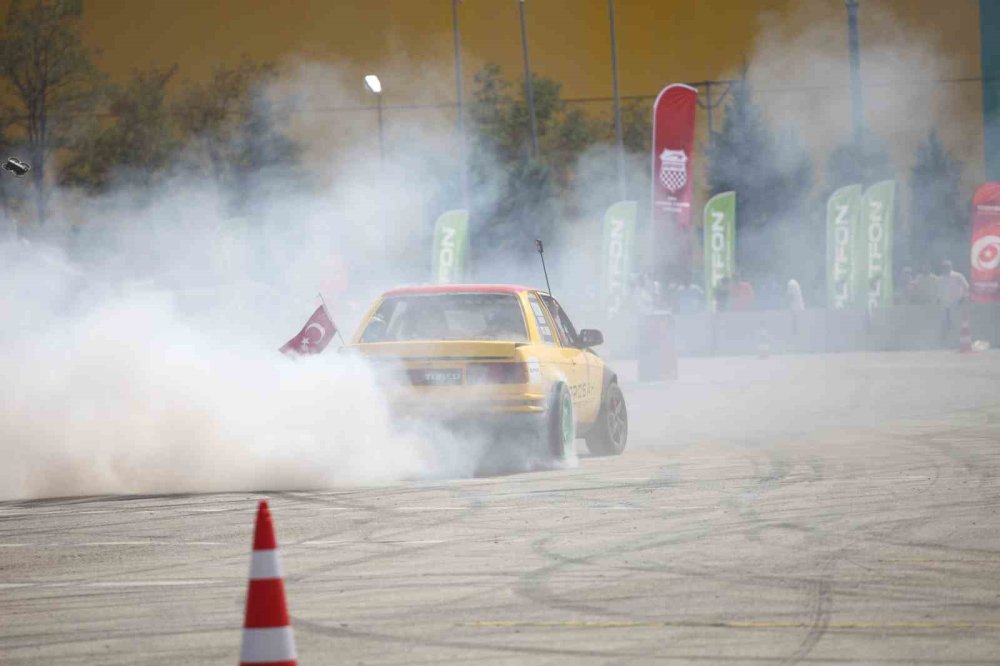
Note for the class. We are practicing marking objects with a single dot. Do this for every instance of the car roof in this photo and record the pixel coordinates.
(458, 289)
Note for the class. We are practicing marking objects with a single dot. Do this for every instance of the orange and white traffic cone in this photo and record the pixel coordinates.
(965, 336)
(267, 633)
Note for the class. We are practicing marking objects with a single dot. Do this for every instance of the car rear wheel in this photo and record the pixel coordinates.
(610, 432)
(559, 429)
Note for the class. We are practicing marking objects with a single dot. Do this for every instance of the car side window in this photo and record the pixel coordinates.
(543, 323)
(564, 327)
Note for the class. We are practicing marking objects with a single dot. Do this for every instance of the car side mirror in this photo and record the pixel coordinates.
(590, 337)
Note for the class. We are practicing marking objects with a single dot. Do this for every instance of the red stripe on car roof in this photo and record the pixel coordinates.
(458, 288)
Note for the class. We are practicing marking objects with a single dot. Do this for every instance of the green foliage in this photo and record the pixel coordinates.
(234, 131)
(135, 147)
(862, 158)
(772, 175)
(637, 126)
(12, 193)
(525, 192)
(938, 217)
(49, 76)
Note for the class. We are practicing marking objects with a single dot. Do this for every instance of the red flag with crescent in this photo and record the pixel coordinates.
(314, 336)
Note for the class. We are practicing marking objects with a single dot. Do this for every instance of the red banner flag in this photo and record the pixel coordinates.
(314, 336)
(985, 255)
(673, 174)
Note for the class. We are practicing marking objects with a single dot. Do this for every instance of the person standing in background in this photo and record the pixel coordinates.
(925, 288)
(690, 299)
(793, 296)
(741, 294)
(954, 286)
(954, 290)
(907, 294)
(721, 295)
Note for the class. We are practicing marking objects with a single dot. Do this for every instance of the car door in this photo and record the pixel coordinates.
(575, 361)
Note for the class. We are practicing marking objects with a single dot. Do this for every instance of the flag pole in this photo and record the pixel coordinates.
(343, 343)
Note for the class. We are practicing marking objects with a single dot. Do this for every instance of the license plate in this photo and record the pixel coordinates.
(449, 377)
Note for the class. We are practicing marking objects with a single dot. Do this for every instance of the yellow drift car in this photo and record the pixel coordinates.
(496, 354)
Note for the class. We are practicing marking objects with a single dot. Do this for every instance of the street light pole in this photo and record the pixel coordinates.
(381, 137)
(529, 84)
(462, 147)
(619, 138)
(854, 44)
(374, 86)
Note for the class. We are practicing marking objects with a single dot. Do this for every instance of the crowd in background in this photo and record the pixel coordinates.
(946, 287)
(735, 294)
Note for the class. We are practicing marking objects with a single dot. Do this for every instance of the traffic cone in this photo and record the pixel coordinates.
(267, 634)
(763, 343)
(965, 336)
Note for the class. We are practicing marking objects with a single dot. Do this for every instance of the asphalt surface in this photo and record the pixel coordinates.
(818, 509)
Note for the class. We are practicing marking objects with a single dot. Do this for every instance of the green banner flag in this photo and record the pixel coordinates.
(873, 246)
(719, 222)
(841, 227)
(617, 251)
(451, 247)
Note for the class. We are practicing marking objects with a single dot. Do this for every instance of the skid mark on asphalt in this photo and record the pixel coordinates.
(98, 544)
(730, 624)
(119, 583)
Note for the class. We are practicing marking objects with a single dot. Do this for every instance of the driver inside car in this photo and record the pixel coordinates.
(425, 322)
(505, 323)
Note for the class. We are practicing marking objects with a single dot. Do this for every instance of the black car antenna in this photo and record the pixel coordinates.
(541, 253)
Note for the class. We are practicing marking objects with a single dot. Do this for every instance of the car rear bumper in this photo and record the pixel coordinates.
(468, 409)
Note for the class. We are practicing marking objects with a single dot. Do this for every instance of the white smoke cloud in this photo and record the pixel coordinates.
(139, 351)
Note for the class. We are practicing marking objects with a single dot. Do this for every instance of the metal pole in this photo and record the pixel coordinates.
(854, 44)
(708, 108)
(618, 103)
(529, 84)
(462, 148)
(381, 140)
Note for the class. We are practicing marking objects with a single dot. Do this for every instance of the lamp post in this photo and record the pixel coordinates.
(529, 85)
(462, 148)
(375, 87)
(854, 44)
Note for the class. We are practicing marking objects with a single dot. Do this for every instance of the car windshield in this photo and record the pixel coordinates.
(447, 317)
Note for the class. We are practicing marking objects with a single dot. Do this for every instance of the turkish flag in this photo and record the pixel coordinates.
(314, 336)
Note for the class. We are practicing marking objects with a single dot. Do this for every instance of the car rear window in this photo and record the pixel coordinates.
(479, 316)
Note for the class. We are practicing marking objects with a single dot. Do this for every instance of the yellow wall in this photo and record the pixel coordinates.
(408, 42)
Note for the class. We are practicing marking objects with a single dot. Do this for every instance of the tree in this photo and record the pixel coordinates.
(12, 192)
(50, 76)
(233, 128)
(139, 143)
(772, 175)
(862, 158)
(525, 204)
(938, 218)
(637, 126)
